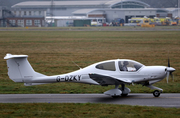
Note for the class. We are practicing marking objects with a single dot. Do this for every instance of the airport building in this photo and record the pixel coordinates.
(67, 11)
(22, 17)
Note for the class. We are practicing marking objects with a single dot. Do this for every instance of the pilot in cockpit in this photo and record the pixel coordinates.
(125, 63)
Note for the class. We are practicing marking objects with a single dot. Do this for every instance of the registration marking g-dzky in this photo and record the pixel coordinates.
(69, 78)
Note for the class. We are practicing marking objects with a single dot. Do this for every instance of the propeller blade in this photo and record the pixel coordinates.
(170, 70)
(172, 76)
(168, 63)
(167, 77)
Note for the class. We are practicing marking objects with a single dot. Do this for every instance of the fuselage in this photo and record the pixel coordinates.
(135, 73)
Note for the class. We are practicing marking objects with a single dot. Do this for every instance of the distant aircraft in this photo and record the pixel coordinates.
(112, 72)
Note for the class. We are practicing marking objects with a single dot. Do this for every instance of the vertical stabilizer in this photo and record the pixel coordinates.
(19, 69)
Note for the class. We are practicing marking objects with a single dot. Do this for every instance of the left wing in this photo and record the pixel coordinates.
(105, 80)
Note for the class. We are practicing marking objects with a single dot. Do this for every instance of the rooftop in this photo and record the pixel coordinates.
(100, 3)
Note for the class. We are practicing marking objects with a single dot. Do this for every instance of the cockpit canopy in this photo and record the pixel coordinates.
(130, 66)
(123, 65)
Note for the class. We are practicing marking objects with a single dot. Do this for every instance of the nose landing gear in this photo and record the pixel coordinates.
(157, 91)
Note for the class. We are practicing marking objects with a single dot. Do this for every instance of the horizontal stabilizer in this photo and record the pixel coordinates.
(10, 56)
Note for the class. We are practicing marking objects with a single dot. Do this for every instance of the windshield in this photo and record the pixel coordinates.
(129, 66)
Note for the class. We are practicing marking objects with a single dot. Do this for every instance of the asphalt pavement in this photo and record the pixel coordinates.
(165, 99)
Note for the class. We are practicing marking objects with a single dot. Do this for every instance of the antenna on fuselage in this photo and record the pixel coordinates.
(77, 65)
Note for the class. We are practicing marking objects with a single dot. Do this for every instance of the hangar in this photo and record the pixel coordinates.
(86, 9)
(109, 9)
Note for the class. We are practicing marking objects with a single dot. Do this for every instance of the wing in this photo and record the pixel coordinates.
(105, 80)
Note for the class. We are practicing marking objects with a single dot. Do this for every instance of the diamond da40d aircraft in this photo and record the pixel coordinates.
(112, 72)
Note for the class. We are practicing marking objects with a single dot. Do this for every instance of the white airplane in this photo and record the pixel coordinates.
(112, 72)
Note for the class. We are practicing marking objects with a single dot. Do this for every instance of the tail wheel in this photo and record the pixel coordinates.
(156, 93)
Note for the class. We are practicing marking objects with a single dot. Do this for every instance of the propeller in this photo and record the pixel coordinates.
(169, 70)
(168, 62)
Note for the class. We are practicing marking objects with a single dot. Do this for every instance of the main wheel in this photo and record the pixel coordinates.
(124, 95)
(115, 96)
(156, 93)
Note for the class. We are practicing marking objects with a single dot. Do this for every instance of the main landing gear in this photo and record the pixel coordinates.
(122, 91)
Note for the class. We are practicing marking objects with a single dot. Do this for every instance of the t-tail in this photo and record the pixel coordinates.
(20, 70)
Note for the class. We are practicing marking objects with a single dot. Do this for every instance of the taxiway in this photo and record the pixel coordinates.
(165, 99)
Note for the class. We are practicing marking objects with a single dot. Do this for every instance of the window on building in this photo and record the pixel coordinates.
(28, 22)
(15, 13)
(1, 23)
(25, 13)
(20, 23)
(37, 22)
(12, 22)
(30, 13)
(35, 13)
(39, 12)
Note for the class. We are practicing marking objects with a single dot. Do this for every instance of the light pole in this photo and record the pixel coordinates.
(178, 9)
(51, 12)
(121, 4)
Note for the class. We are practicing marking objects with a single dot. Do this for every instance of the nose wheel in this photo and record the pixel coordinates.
(156, 93)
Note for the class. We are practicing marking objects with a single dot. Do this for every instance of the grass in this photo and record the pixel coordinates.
(88, 110)
(52, 53)
(160, 28)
